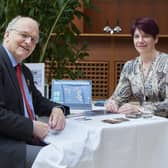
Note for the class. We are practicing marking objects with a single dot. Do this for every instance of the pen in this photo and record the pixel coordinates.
(83, 118)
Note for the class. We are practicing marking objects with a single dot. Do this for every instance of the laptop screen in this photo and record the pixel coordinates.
(77, 94)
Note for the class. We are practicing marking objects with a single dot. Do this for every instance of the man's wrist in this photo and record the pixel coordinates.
(58, 108)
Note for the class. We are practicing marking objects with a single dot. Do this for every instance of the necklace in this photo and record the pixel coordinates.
(145, 71)
(146, 67)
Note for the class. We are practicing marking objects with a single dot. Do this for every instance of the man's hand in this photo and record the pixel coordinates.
(57, 119)
(40, 129)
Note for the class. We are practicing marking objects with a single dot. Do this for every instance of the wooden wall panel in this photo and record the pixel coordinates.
(109, 53)
(104, 65)
(115, 51)
(126, 11)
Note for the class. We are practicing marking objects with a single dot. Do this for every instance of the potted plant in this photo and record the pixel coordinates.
(58, 34)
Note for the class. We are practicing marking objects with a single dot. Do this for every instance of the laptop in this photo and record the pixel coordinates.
(77, 94)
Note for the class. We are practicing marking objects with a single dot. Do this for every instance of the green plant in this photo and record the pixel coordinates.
(58, 33)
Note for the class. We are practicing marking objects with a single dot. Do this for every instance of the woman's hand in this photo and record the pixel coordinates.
(128, 108)
(111, 105)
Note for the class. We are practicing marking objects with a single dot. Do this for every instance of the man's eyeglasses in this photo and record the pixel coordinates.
(26, 36)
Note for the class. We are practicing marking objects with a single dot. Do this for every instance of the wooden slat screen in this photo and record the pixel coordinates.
(118, 68)
(97, 71)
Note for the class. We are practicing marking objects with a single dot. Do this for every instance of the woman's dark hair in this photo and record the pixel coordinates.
(147, 25)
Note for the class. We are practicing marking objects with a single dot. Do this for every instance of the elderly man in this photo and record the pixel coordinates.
(21, 134)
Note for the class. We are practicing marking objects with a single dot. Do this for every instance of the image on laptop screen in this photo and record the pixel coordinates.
(77, 94)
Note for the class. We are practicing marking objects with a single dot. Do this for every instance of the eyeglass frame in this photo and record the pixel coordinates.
(25, 35)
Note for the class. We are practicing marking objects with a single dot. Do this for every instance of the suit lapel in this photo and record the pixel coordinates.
(10, 69)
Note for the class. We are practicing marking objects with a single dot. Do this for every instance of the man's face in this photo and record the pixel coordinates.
(21, 40)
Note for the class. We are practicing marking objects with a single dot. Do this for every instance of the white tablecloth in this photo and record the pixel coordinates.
(138, 143)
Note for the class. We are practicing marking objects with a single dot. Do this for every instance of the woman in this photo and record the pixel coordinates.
(144, 78)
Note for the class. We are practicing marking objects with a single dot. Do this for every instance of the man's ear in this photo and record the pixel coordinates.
(6, 37)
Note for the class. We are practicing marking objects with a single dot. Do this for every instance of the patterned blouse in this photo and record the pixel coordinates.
(153, 89)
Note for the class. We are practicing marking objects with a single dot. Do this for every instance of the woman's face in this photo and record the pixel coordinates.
(144, 43)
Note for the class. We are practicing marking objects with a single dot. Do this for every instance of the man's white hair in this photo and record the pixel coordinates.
(13, 22)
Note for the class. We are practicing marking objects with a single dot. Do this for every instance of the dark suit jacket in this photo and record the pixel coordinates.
(15, 129)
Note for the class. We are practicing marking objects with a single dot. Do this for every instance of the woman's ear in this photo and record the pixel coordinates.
(156, 39)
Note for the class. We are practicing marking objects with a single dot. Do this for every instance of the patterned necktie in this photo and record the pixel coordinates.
(19, 77)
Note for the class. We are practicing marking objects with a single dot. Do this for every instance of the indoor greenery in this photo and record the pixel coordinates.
(58, 33)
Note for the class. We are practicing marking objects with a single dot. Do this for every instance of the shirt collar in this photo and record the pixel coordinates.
(11, 57)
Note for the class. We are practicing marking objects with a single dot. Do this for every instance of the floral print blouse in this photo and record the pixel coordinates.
(153, 89)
